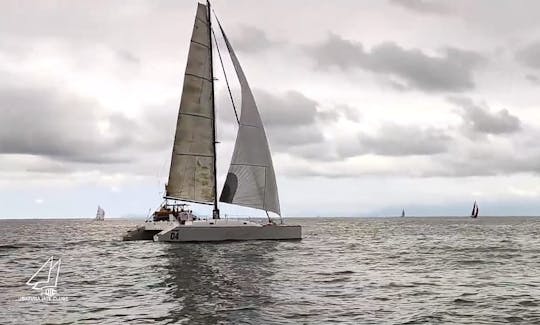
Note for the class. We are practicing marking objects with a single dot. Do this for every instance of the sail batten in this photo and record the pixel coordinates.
(253, 165)
(191, 154)
(196, 76)
(192, 172)
(251, 180)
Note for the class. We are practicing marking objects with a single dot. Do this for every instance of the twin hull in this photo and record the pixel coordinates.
(247, 231)
(147, 230)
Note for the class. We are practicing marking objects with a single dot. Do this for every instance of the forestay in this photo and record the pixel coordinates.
(251, 181)
(191, 176)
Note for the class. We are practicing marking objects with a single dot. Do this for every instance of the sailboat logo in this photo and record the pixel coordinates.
(46, 287)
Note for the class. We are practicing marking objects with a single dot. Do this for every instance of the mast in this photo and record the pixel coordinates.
(215, 213)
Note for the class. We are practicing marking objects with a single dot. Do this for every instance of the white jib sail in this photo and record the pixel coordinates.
(251, 180)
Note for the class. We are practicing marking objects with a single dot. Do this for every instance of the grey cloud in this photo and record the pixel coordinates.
(44, 122)
(333, 114)
(252, 39)
(46, 166)
(451, 71)
(482, 120)
(487, 160)
(128, 56)
(530, 55)
(294, 124)
(290, 118)
(425, 6)
(462, 158)
(106, 21)
(532, 78)
(350, 113)
(289, 109)
(315, 152)
(451, 154)
(329, 115)
(397, 140)
(512, 155)
(293, 119)
(133, 31)
(285, 138)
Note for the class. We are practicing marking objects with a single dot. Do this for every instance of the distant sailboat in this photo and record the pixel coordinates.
(403, 213)
(474, 212)
(100, 214)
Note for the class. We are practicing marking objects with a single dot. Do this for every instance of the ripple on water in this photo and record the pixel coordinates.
(352, 271)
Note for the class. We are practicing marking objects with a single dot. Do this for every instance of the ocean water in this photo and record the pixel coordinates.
(346, 271)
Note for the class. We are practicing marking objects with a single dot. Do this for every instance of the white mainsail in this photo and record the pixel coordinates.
(191, 176)
(100, 214)
(251, 181)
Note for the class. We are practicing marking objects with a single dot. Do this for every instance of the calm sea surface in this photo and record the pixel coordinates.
(350, 271)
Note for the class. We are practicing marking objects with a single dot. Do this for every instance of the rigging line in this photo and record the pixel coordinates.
(225, 74)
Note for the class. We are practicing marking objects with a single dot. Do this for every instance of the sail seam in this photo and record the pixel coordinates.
(251, 165)
(201, 44)
(197, 76)
(195, 115)
(202, 21)
(185, 200)
(192, 154)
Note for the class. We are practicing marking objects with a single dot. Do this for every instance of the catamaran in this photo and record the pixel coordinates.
(474, 212)
(250, 181)
(100, 214)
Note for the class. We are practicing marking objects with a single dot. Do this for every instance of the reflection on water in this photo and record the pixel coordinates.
(355, 271)
(212, 282)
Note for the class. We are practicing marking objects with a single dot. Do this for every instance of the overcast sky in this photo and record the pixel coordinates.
(370, 106)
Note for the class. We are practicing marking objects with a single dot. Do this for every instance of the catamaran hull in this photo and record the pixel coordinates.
(140, 234)
(230, 233)
(147, 230)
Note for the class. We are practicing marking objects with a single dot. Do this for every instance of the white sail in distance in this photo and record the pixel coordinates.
(100, 214)
(191, 175)
(251, 180)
